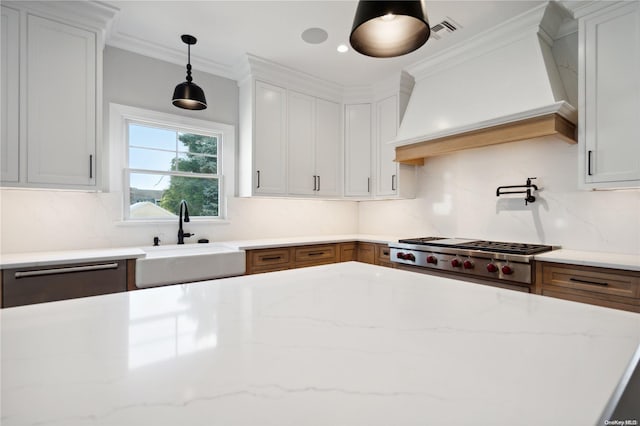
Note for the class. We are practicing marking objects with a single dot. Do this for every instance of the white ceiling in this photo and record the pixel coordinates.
(226, 30)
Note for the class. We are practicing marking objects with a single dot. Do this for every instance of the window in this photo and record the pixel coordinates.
(168, 158)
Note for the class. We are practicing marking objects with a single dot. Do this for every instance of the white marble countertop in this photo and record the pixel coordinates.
(46, 258)
(627, 262)
(341, 344)
(49, 258)
(308, 240)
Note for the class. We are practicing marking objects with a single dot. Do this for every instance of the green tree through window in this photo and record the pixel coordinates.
(199, 156)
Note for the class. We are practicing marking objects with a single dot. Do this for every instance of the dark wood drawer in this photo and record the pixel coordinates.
(382, 254)
(316, 254)
(25, 286)
(269, 258)
(590, 280)
(588, 298)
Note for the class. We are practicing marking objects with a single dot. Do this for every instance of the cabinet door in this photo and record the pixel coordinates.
(61, 103)
(270, 139)
(611, 95)
(386, 129)
(358, 150)
(10, 39)
(27, 286)
(328, 148)
(301, 125)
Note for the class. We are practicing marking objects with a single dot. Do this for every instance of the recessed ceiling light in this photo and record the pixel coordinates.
(342, 48)
(314, 35)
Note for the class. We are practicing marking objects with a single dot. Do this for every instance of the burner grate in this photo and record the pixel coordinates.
(480, 245)
(504, 247)
(420, 240)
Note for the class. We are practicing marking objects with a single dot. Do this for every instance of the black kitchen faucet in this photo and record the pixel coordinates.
(181, 233)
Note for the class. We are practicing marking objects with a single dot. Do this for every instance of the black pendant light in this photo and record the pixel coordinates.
(189, 95)
(384, 29)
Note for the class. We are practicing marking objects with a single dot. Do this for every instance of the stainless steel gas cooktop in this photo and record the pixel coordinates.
(494, 260)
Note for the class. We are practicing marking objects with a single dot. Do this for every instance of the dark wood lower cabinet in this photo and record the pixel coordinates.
(367, 253)
(280, 258)
(612, 288)
(26, 286)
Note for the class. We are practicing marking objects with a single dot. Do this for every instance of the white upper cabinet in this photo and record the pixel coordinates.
(290, 142)
(315, 143)
(302, 173)
(10, 39)
(609, 105)
(270, 140)
(328, 148)
(357, 123)
(386, 129)
(52, 94)
(61, 103)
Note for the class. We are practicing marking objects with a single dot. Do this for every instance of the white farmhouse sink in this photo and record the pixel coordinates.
(173, 264)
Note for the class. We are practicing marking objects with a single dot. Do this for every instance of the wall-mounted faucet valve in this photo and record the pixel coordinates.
(529, 198)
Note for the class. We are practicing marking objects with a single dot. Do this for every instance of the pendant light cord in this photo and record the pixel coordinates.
(189, 78)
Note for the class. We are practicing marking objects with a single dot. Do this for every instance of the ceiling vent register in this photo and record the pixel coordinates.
(443, 28)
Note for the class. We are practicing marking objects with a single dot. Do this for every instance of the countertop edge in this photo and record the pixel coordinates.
(35, 259)
(627, 262)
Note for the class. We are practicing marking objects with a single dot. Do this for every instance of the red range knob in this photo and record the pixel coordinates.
(400, 255)
(507, 270)
(410, 256)
(432, 259)
(467, 264)
(492, 268)
(456, 263)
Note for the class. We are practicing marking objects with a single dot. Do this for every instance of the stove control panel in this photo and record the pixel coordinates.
(476, 266)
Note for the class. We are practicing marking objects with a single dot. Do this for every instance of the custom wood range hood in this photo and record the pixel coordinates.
(523, 128)
(503, 86)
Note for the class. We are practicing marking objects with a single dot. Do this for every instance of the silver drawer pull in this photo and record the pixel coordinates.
(577, 280)
(65, 270)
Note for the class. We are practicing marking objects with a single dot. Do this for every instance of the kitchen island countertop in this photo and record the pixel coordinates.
(628, 262)
(340, 344)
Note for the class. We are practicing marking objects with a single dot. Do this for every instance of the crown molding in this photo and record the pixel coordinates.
(91, 15)
(579, 9)
(542, 21)
(174, 56)
(272, 72)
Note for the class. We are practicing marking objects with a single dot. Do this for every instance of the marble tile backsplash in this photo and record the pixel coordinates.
(457, 198)
(39, 220)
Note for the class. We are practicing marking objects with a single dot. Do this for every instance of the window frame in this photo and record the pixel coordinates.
(120, 118)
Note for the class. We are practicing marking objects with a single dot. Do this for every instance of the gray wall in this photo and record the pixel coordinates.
(143, 82)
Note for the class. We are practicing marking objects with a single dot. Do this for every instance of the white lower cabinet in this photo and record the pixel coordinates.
(609, 105)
